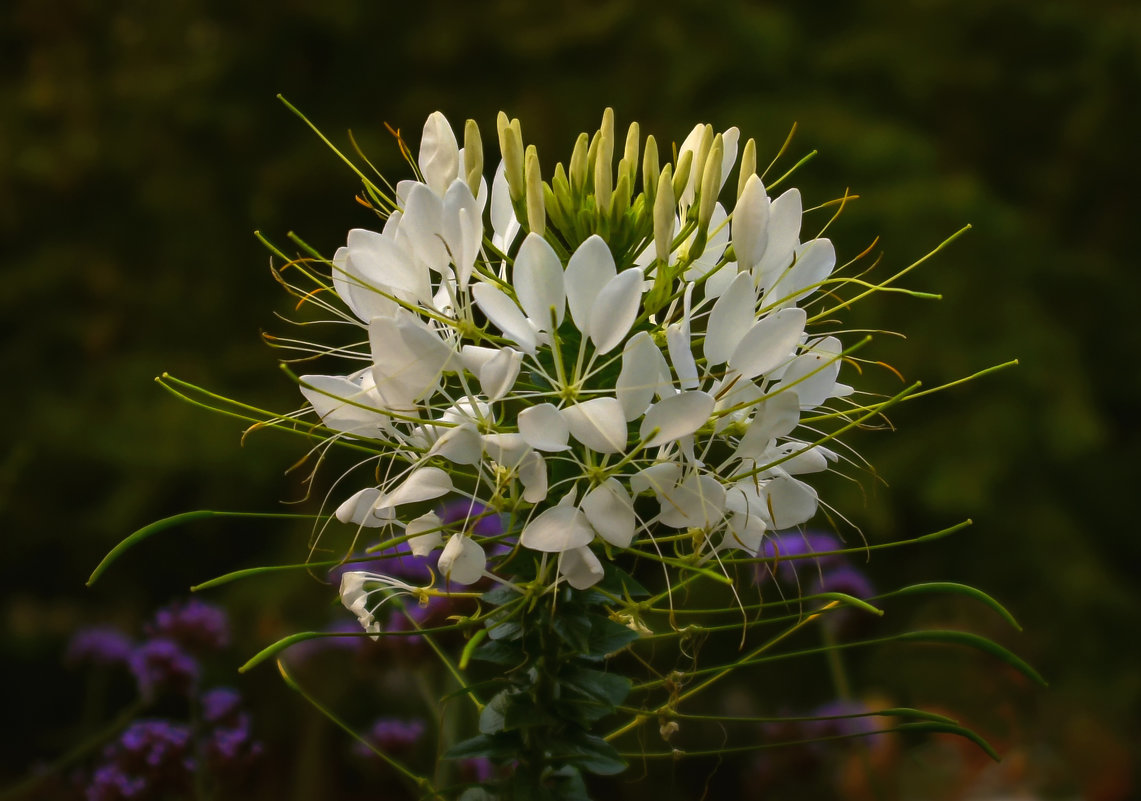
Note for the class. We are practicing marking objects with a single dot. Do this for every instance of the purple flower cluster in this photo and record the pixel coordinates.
(195, 625)
(392, 736)
(154, 759)
(99, 645)
(150, 758)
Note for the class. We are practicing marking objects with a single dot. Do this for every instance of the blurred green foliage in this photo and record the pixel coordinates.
(141, 145)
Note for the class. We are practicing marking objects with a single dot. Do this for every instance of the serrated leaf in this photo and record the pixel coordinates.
(498, 653)
(589, 753)
(573, 629)
(485, 745)
(618, 582)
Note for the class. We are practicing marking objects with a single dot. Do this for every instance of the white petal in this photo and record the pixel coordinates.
(812, 460)
(676, 417)
(581, 568)
(462, 560)
(771, 342)
(784, 236)
(731, 317)
(677, 342)
(505, 315)
(714, 248)
(659, 478)
(506, 449)
(463, 228)
(474, 357)
(815, 261)
(439, 153)
(611, 512)
(745, 532)
(360, 509)
(422, 484)
(533, 476)
(341, 404)
(698, 502)
(751, 224)
(590, 267)
(729, 139)
(459, 444)
(503, 222)
(424, 534)
(598, 424)
(497, 376)
(776, 416)
(538, 281)
(644, 373)
(423, 225)
(789, 502)
(812, 375)
(379, 262)
(556, 530)
(544, 428)
(615, 309)
(408, 357)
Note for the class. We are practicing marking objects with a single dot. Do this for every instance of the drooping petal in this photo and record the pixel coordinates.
(343, 404)
(463, 229)
(533, 477)
(675, 417)
(439, 153)
(422, 484)
(615, 310)
(784, 235)
(424, 534)
(678, 344)
(538, 281)
(729, 320)
(361, 509)
(598, 423)
(589, 269)
(463, 560)
(745, 532)
(544, 428)
(423, 225)
(556, 530)
(610, 511)
(497, 375)
(408, 357)
(769, 343)
(505, 315)
(459, 444)
(789, 502)
(644, 373)
(581, 568)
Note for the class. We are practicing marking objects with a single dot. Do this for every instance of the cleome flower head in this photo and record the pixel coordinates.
(600, 367)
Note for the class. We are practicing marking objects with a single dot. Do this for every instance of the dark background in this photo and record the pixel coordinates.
(141, 146)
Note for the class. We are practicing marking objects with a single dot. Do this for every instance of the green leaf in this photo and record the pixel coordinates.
(952, 728)
(617, 581)
(573, 629)
(499, 652)
(607, 637)
(492, 718)
(589, 753)
(609, 688)
(493, 746)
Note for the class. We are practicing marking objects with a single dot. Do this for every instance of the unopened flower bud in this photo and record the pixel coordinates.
(702, 153)
(748, 165)
(511, 146)
(650, 168)
(579, 166)
(604, 162)
(664, 214)
(681, 177)
(473, 156)
(629, 165)
(710, 183)
(536, 216)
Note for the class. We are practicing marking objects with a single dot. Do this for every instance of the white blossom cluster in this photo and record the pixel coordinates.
(596, 396)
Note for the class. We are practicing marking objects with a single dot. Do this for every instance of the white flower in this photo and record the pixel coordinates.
(668, 390)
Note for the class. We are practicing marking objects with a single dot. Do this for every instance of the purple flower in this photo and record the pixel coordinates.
(231, 745)
(392, 735)
(474, 517)
(840, 719)
(220, 704)
(845, 579)
(194, 624)
(791, 556)
(476, 769)
(110, 783)
(162, 665)
(99, 645)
